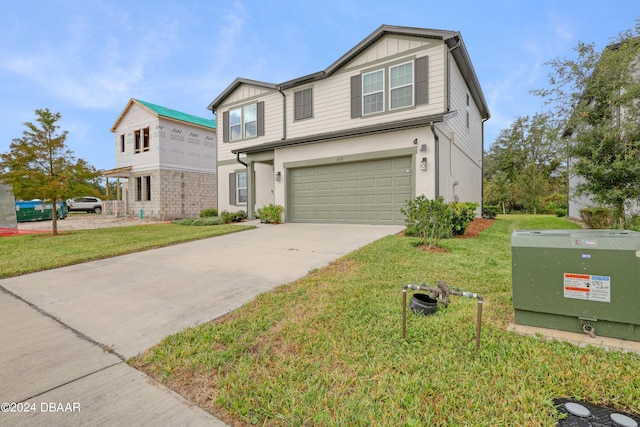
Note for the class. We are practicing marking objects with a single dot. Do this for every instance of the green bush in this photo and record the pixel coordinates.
(270, 214)
(428, 219)
(634, 223)
(598, 218)
(462, 213)
(490, 211)
(212, 220)
(561, 212)
(228, 217)
(208, 213)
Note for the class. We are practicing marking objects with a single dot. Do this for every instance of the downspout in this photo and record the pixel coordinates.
(284, 113)
(240, 161)
(436, 161)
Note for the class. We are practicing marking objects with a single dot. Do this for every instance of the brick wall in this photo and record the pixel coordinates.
(174, 194)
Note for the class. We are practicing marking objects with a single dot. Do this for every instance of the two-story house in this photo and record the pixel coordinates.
(166, 160)
(399, 115)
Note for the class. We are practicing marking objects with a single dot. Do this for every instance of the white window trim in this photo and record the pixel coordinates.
(231, 126)
(412, 84)
(371, 93)
(238, 188)
(245, 123)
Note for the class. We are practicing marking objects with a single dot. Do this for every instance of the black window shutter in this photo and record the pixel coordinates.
(225, 126)
(260, 118)
(232, 188)
(421, 83)
(356, 96)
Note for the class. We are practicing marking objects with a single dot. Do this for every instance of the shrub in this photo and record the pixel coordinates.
(490, 211)
(561, 212)
(270, 214)
(228, 217)
(428, 219)
(208, 213)
(598, 218)
(634, 223)
(212, 220)
(462, 213)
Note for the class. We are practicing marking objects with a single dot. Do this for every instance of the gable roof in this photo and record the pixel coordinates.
(452, 39)
(167, 113)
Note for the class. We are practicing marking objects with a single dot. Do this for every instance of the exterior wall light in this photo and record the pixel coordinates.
(423, 164)
(278, 176)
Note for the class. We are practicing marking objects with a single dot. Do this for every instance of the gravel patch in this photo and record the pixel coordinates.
(84, 221)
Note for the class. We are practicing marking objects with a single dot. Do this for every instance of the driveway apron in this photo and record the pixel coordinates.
(67, 332)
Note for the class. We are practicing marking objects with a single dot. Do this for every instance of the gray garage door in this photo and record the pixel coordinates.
(370, 192)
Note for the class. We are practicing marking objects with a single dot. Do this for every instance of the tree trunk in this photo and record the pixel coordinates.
(54, 217)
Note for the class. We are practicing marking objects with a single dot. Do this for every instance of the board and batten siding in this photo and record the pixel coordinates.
(272, 120)
(331, 96)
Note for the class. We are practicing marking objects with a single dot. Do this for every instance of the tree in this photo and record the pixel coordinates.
(524, 155)
(597, 96)
(498, 190)
(532, 187)
(39, 165)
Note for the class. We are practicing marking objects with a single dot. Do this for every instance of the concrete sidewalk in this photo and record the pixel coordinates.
(68, 331)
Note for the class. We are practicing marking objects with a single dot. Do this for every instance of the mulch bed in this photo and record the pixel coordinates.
(476, 227)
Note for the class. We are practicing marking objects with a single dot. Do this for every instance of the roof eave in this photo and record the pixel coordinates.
(234, 85)
(349, 133)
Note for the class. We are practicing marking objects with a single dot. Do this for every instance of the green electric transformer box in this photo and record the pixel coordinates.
(578, 281)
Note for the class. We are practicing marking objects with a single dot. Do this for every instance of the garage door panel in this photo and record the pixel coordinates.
(386, 181)
(402, 181)
(368, 183)
(370, 192)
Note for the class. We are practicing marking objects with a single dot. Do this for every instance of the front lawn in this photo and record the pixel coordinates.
(21, 254)
(328, 349)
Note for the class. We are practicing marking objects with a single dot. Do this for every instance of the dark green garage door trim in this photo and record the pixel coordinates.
(362, 189)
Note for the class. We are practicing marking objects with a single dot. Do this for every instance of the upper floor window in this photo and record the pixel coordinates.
(141, 139)
(401, 85)
(303, 104)
(243, 122)
(373, 92)
(467, 111)
(250, 120)
(122, 143)
(407, 86)
(235, 123)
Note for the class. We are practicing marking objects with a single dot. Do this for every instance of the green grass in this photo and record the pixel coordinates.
(28, 253)
(328, 349)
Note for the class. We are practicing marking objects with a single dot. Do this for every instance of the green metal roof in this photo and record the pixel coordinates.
(177, 115)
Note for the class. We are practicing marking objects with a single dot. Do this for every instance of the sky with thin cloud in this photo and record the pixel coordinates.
(86, 59)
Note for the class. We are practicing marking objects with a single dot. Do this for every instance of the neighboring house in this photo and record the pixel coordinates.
(401, 114)
(578, 202)
(167, 159)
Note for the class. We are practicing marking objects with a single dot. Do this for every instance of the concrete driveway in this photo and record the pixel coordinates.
(67, 332)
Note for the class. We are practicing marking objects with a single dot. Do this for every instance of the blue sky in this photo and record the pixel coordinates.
(86, 59)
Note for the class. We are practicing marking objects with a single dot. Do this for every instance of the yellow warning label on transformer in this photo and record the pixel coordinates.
(587, 287)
